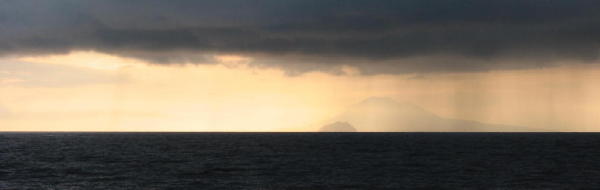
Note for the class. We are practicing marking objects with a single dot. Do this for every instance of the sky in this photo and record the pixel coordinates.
(291, 65)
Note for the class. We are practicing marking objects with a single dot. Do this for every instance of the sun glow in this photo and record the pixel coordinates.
(91, 91)
(85, 59)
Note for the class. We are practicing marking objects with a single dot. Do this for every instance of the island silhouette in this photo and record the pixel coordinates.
(381, 114)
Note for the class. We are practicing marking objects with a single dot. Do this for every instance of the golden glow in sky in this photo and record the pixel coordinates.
(90, 91)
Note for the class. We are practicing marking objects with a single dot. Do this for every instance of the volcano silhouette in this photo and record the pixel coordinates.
(387, 115)
(338, 127)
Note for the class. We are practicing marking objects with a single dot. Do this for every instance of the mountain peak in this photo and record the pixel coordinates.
(338, 127)
(385, 114)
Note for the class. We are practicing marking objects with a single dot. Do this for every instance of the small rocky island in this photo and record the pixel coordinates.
(338, 127)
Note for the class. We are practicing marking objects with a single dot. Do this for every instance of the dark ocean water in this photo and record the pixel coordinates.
(299, 160)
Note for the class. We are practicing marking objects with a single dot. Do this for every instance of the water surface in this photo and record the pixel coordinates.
(299, 160)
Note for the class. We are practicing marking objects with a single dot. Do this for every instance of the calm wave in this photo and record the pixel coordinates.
(299, 160)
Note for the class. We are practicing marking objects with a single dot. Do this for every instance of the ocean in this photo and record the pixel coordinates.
(299, 160)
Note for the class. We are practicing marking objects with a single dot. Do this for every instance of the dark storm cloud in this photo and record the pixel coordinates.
(392, 36)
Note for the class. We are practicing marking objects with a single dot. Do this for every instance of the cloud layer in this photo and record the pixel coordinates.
(384, 36)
